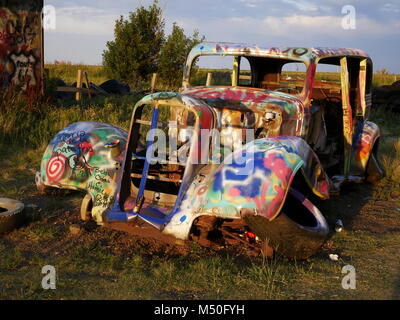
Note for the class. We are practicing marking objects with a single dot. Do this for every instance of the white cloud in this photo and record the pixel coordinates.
(298, 27)
(390, 8)
(302, 5)
(252, 3)
(84, 20)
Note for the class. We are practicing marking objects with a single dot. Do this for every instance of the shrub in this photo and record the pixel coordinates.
(133, 55)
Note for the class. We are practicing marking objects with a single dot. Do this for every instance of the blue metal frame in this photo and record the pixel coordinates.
(146, 166)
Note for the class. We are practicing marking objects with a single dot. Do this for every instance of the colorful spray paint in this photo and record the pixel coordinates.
(21, 43)
(85, 156)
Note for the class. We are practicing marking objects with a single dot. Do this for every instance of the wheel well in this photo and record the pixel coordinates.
(298, 212)
(374, 171)
(299, 183)
(293, 208)
(375, 147)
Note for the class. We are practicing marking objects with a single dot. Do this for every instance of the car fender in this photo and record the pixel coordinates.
(259, 184)
(364, 143)
(85, 156)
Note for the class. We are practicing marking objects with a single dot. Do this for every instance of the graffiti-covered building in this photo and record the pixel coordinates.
(21, 42)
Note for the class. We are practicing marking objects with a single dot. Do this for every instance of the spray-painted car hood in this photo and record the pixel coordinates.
(289, 111)
(240, 97)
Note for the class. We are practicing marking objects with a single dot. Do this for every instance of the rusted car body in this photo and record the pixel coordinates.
(280, 141)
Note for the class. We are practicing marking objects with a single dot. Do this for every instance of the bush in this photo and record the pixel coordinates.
(173, 55)
(139, 49)
(134, 53)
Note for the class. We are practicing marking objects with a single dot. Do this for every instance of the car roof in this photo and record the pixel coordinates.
(295, 53)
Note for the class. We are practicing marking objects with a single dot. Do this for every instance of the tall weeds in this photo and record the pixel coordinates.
(31, 121)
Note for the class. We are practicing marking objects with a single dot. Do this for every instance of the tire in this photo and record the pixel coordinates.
(11, 214)
(86, 208)
(297, 232)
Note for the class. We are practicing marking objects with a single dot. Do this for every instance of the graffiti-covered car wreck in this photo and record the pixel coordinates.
(241, 161)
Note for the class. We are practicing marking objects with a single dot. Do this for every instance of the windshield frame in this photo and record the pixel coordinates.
(192, 59)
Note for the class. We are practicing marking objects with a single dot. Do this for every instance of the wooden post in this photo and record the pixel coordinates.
(153, 82)
(347, 115)
(362, 85)
(78, 95)
(209, 79)
(88, 85)
(235, 71)
(42, 50)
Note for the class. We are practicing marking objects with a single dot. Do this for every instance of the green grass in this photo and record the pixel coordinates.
(35, 128)
(69, 72)
(91, 271)
(389, 152)
(380, 79)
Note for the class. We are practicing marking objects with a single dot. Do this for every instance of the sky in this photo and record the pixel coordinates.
(83, 27)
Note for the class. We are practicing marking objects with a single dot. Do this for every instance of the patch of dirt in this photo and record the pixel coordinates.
(378, 216)
(360, 210)
(120, 243)
(356, 207)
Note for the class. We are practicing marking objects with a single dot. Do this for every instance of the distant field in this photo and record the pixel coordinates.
(222, 76)
(68, 73)
(385, 79)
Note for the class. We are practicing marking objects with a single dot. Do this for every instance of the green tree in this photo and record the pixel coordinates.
(134, 53)
(173, 55)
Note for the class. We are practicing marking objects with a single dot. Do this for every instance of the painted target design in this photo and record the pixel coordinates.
(55, 168)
